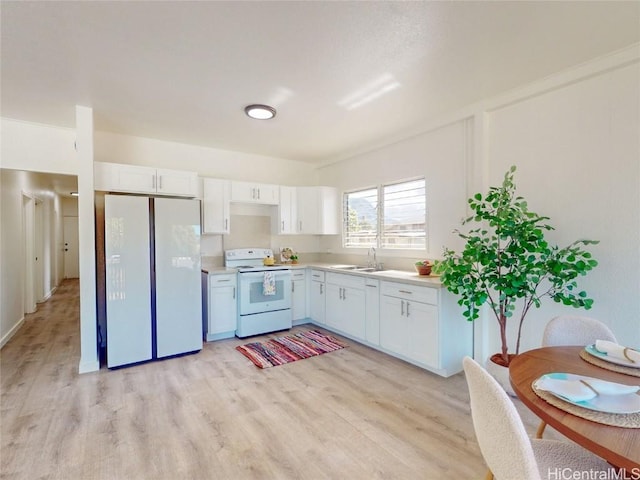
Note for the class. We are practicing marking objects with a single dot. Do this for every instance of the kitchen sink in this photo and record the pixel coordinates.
(356, 268)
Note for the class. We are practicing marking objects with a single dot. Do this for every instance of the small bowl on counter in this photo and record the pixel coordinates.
(423, 268)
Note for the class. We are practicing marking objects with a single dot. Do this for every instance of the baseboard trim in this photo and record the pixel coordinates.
(88, 367)
(11, 332)
(48, 295)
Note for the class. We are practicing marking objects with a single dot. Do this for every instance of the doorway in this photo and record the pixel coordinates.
(71, 251)
(28, 234)
(38, 259)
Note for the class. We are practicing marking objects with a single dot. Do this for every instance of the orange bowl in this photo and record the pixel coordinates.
(423, 269)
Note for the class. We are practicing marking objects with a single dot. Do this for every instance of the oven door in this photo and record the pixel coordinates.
(252, 298)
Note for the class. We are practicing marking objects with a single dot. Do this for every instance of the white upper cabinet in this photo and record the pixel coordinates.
(317, 210)
(286, 221)
(247, 192)
(216, 200)
(115, 177)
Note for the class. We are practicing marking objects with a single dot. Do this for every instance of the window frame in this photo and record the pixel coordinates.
(380, 207)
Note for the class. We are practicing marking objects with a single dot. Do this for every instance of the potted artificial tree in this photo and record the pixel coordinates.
(506, 264)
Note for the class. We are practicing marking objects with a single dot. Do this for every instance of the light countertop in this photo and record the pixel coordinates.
(403, 276)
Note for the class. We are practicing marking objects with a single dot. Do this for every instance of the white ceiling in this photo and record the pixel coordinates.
(344, 76)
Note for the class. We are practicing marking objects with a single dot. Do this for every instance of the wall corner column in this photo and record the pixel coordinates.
(89, 360)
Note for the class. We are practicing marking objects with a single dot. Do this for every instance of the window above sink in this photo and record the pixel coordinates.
(389, 216)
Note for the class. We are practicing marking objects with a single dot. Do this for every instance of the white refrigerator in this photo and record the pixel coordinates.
(152, 267)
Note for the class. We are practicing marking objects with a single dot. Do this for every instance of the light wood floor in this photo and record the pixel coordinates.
(350, 414)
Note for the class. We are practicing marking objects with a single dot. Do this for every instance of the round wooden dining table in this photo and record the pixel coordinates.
(619, 446)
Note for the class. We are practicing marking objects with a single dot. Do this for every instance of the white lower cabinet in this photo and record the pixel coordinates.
(298, 295)
(409, 322)
(424, 326)
(317, 304)
(372, 310)
(346, 304)
(220, 314)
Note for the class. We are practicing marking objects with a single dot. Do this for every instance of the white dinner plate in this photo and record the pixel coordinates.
(591, 350)
(628, 403)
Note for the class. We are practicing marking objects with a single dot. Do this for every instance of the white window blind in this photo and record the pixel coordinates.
(389, 216)
(404, 215)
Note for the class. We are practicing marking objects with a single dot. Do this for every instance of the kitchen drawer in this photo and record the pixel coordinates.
(345, 280)
(317, 275)
(222, 280)
(410, 292)
(298, 274)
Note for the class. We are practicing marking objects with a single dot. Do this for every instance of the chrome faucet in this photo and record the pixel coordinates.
(375, 261)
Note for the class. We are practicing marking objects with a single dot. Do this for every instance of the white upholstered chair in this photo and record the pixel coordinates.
(505, 446)
(573, 330)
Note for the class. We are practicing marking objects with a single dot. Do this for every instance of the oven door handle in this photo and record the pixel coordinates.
(276, 274)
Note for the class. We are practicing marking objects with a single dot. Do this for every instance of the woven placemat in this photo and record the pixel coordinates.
(624, 420)
(598, 362)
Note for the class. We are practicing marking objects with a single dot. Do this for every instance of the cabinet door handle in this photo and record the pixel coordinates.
(344, 293)
(407, 309)
(300, 225)
(226, 223)
(258, 194)
(282, 224)
(293, 286)
(405, 291)
(321, 289)
(372, 286)
(234, 293)
(224, 280)
(159, 182)
(153, 182)
(401, 307)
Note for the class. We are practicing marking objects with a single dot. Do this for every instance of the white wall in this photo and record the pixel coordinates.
(208, 162)
(439, 155)
(576, 141)
(578, 154)
(39, 148)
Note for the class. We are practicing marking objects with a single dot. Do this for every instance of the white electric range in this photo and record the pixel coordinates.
(264, 292)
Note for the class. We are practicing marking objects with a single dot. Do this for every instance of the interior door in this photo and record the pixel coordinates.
(39, 293)
(71, 253)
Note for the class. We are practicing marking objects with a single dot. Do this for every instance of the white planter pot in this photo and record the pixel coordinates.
(501, 374)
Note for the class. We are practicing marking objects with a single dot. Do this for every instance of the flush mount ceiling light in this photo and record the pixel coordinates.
(260, 112)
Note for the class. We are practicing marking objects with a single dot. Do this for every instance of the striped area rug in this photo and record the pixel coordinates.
(287, 349)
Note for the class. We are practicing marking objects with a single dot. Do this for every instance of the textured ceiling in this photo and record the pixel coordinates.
(344, 76)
